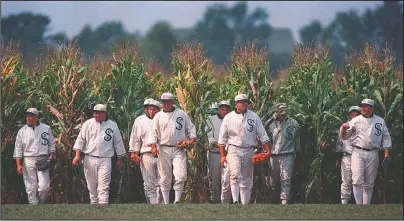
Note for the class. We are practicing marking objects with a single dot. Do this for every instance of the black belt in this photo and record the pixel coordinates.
(169, 145)
(280, 154)
(365, 149)
(214, 152)
(346, 154)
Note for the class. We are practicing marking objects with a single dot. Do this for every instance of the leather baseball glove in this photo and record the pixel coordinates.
(184, 143)
(259, 158)
(42, 163)
(386, 162)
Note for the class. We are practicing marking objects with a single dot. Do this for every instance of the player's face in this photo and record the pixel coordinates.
(99, 116)
(242, 106)
(281, 116)
(152, 111)
(223, 110)
(367, 110)
(353, 114)
(167, 105)
(32, 119)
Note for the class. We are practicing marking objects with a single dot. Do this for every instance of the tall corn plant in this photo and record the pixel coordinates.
(123, 89)
(312, 102)
(60, 89)
(15, 94)
(371, 74)
(193, 84)
(249, 74)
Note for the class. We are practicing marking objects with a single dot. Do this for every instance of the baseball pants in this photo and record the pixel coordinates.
(97, 171)
(36, 182)
(214, 172)
(225, 182)
(281, 172)
(148, 168)
(364, 166)
(241, 172)
(346, 175)
(172, 161)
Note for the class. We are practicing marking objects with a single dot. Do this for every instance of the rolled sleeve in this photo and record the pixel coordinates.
(135, 142)
(386, 139)
(118, 143)
(18, 146)
(223, 134)
(52, 146)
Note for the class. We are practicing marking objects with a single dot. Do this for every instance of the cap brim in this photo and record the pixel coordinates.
(243, 100)
(365, 104)
(30, 113)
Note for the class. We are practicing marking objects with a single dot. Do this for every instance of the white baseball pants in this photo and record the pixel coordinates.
(281, 172)
(214, 172)
(172, 161)
(364, 166)
(97, 171)
(148, 168)
(241, 172)
(226, 189)
(346, 175)
(36, 182)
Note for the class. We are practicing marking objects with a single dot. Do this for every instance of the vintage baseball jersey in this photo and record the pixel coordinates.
(34, 141)
(242, 130)
(284, 136)
(100, 139)
(212, 129)
(169, 127)
(369, 132)
(140, 134)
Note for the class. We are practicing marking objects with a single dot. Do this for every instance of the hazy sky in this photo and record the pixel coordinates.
(70, 17)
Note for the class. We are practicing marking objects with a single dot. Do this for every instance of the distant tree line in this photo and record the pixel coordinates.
(220, 29)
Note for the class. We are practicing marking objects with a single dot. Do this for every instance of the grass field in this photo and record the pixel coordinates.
(202, 211)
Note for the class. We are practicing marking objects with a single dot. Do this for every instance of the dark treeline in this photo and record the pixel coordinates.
(220, 28)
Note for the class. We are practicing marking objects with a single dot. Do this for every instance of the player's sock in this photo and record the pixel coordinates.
(358, 194)
(235, 193)
(166, 197)
(367, 196)
(178, 196)
(344, 201)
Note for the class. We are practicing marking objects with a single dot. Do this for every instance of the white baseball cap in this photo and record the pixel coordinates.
(32, 110)
(147, 101)
(100, 107)
(155, 103)
(227, 103)
(167, 96)
(368, 102)
(241, 97)
(354, 108)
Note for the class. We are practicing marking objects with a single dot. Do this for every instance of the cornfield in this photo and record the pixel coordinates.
(65, 86)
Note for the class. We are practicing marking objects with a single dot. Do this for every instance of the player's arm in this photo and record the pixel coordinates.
(386, 140)
(223, 138)
(18, 149)
(263, 136)
(191, 129)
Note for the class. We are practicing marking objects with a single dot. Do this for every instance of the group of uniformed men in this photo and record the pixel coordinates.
(232, 135)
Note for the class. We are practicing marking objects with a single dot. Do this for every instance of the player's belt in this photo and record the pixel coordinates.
(243, 147)
(166, 145)
(346, 154)
(365, 149)
(216, 152)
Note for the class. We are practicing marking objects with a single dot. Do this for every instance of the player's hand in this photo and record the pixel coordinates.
(154, 151)
(52, 156)
(345, 126)
(119, 164)
(19, 169)
(223, 161)
(76, 160)
(135, 158)
(267, 154)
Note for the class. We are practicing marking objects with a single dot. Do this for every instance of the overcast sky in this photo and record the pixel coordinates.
(71, 17)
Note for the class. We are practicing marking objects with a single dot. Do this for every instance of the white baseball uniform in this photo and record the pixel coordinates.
(368, 135)
(167, 129)
(285, 143)
(98, 141)
(240, 131)
(345, 147)
(215, 170)
(32, 142)
(148, 167)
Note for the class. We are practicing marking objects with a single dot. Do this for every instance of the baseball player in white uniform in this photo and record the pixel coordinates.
(169, 126)
(141, 152)
(344, 147)
(368, 133)
(98, 139)
(239, 130)
(285, 147)
(215, 171)
(34, 140)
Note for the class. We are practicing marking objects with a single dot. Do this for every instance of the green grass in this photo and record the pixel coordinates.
(202, 211)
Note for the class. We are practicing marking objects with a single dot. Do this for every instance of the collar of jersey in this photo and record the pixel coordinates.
(218, 115)
(36, 124)
(239, 112)
(169, 111)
